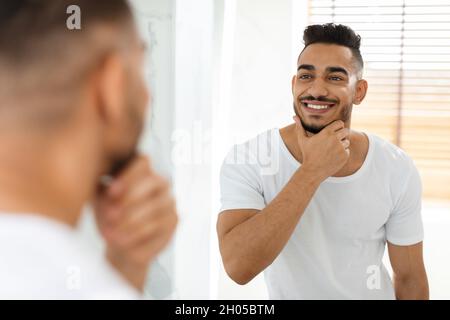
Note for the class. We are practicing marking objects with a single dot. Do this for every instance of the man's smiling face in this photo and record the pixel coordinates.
(326, 85)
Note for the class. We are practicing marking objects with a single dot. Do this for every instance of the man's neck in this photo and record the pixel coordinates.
(36, 179)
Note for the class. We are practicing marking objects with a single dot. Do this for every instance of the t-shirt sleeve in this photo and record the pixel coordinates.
(404, 226)
(240, 183)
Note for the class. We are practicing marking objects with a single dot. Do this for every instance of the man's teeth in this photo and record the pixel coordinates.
(317, 106)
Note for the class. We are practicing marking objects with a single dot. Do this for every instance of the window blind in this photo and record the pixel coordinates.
(406, 50)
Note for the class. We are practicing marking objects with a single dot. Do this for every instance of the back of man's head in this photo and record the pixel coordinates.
(43, 61)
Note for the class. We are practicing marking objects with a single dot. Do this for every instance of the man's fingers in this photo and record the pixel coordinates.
(142, 191)
(136, 168)
(147, 230)
(149, 247)
(145, 188)
(109, 214)
(335, 126)
(346, 143)
(299, 127)
(342, 133)
(146, 213)
(149, 237)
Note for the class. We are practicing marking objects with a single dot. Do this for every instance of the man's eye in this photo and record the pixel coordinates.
(305, 76)
(335, 78)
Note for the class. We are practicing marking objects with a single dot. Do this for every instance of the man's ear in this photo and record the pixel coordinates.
(294, 80)
(361, 90)
(111, 87)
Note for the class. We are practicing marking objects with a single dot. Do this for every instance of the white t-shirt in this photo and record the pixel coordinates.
(337, 247)
(44, 259)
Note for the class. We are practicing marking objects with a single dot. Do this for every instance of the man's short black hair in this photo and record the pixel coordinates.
(26, 25)
(335, 34)
(44, 63)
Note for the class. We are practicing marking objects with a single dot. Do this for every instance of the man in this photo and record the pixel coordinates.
(72, 105)
(317, 214)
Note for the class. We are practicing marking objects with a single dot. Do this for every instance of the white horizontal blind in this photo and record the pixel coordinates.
(406, 49)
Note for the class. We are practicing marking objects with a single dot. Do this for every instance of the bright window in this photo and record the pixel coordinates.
(406, 48)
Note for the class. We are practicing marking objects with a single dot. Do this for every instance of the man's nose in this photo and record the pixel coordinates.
(318, 89)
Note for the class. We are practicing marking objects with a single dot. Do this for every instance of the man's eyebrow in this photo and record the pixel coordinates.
(337, 69)
(306, 66)
(310, 67)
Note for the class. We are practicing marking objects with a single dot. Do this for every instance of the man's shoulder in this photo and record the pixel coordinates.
(253, 147)
(51, 261)
(260, 152)
(389, 155)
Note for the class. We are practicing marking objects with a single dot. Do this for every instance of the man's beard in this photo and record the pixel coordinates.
(344, 116)
(120, 161)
